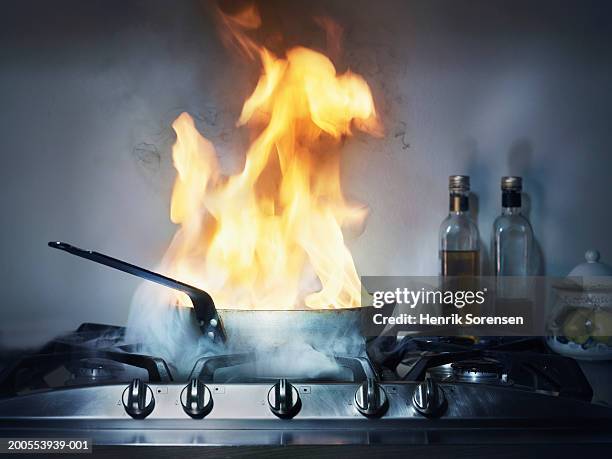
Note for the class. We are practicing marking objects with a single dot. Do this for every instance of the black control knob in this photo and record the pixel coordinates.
(429, 399)
(138, 399)
(196, 399)
(371, 399)
(284, 399)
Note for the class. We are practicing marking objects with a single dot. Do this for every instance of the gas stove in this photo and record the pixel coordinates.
(91, 384)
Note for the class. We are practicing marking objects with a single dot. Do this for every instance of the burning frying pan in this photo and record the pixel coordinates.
(241, 327)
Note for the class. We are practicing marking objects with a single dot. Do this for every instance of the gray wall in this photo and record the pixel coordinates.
(88, 91)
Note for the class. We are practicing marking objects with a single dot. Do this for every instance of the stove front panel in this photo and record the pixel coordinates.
(241, 416)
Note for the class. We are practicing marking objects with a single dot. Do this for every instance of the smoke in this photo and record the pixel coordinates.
(294, 344)
(166, 331)
(310, 357)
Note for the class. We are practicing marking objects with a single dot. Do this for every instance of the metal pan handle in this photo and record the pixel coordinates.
(203, 304)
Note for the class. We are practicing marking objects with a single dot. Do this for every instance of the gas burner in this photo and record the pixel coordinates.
(522, 363)
(91, 355)
(91, 371)
(470, 371)
(482, 371)
(485, 371)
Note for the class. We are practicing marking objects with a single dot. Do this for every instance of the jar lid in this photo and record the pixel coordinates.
(592, 267)
(593, 273)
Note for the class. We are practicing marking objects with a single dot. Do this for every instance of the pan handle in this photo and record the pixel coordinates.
(203, 304)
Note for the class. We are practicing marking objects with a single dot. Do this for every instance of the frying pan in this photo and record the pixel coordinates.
(243, 328)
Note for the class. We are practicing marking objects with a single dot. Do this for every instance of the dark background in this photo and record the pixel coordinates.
(88, 90)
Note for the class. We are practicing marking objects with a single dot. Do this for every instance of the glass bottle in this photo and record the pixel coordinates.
(459, 238)
(512, 233)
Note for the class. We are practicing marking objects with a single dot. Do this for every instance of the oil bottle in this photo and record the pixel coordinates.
(459, 237)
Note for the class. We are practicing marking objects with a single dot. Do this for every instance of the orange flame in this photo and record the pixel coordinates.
(258, 238)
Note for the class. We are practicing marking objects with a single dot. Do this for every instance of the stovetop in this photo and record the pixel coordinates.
(91, 383)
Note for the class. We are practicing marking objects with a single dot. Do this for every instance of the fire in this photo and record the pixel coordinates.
(259, 238)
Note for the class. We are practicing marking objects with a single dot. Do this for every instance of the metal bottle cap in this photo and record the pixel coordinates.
(511, 183)
(459, 183)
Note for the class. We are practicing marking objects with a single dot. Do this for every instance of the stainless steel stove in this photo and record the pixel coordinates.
(90, 384)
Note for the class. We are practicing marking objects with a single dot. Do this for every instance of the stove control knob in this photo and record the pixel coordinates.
(371, 399)
(428, 398)
(284, 399)
(138, 399)
(196, 399)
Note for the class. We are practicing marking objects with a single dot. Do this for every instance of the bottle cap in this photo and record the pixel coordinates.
(511, 183)
(459, 183)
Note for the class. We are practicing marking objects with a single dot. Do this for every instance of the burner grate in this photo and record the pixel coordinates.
(90, 355)
(524, 363)
(249, 368)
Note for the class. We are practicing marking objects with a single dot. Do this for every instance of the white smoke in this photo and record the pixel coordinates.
(166, 331)
(294, 344)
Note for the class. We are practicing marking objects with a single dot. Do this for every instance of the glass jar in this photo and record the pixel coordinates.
(580, 321)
